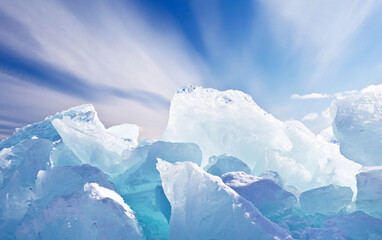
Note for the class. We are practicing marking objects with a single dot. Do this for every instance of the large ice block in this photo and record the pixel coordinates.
(265, 194)
(19, 166)
(357, 125)
(63, 181)
(144, 175)
(203, 207)
(231, 123)
(88, 139)
(45, 129)
(84, 136)
(93, 212)
(326, 200)
(41, 202)
(369, 195)
(140, 185)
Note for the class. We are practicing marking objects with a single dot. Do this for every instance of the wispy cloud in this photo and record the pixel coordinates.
(108, 52)
(310, 117)
(310, 96)
(319, 30)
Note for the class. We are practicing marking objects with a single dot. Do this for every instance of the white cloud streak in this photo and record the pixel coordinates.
(310, 117)
(111, 45)
(310, 96)
(321, 29)
(121, 50)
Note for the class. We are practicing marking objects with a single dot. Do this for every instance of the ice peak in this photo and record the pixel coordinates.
(224, 97)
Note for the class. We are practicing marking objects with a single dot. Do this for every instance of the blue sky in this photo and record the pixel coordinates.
(129, 57)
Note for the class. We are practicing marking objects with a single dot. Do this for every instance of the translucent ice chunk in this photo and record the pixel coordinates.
(265, 194)
(61, 155)
(357, 125)
(45, 129)
(144, 176)
(140, 185)
(66, 180)
(203, 207)
(94, 212)
(227, 122)
(88, 139)
(84, 137)
(326, 200)
(231, 123)
(19, 168)
(369, 195)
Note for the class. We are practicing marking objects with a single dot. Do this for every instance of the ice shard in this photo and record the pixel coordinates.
(203, 207)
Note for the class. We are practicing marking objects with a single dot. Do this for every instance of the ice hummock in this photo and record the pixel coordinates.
(231, 123)
(357, 125)
(203, 207)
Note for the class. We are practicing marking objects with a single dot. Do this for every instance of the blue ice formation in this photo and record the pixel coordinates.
(326, 200)
(218, 165)
(85, 207)
(223, 169)
(265, 194)
(141, 184)
(369, 195)
(216, 211)
(240, 128)
(45, 128)
(38, 201)
(20, 166)
(357, 125)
